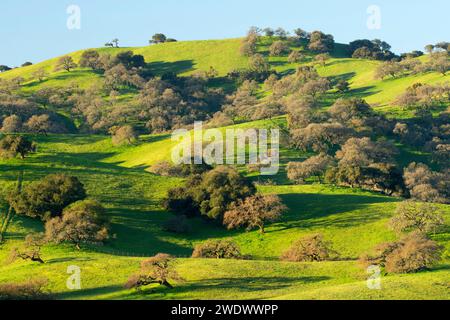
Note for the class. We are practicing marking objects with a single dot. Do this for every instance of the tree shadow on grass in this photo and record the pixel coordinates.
(62, 77)
(28, 225)
(84, 293)
(235, 285)
(345, 76)
(153, 138)
(313, 210)
(139, 232)
(362, 92)
(162, 67)
(68, 259)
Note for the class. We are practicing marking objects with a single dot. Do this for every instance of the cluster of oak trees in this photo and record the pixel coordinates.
(60, 201)
(222, 195)
(436, 62)
(352, 150)
(158, 103)
(350, 140)
(23, 114)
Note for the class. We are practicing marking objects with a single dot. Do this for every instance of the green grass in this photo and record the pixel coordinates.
(352, 219)
(183, 58)
(187, 57)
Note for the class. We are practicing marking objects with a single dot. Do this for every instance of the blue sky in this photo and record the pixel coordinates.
(36, 30)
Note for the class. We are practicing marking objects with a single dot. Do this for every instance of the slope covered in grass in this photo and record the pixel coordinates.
(187, 57)
(352, 219)
(183, 58)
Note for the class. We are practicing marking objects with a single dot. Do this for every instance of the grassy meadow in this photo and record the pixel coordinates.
(352, 219)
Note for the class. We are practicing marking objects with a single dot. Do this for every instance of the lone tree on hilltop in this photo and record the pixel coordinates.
(158, 38)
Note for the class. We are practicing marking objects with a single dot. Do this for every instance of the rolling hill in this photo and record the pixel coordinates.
(188, 57)
(352, 219)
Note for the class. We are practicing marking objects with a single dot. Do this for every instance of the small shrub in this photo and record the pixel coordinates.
(164, 168)
(123, 135)
(29, 290)
(218, 249)
(309, 249)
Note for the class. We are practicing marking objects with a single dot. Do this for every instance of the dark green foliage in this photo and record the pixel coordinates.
(412, 54)
(48, 197)
(159, 38)
(190, 169)
(217, 249)
(242, 75)
(4, 68)
(210, 194)
(367, 49)
(11, 146)
(130, 60)
(180, 201)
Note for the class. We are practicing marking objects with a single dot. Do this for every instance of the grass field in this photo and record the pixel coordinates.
(353, 220)
(187, 57)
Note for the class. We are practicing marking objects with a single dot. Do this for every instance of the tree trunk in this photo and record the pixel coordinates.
(261, 229)
(37, 259)
(166, 284)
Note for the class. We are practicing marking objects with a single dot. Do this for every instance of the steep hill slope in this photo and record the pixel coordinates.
(187, 57)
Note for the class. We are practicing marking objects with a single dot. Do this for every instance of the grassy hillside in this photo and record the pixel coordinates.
(182, 58)
(352, 219)
(187, 57)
